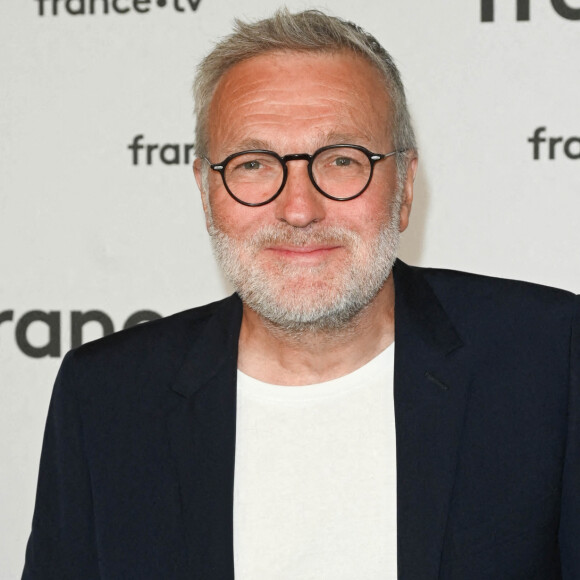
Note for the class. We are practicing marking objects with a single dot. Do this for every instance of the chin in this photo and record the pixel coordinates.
(304, 309)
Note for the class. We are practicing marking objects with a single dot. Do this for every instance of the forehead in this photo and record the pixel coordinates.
(291, 99)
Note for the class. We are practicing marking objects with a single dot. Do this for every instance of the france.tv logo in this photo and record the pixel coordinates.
(98, 7)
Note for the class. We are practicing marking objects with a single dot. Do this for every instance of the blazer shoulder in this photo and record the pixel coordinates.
(512, 292)
(170, 330)
(147, 353)
(486, 305)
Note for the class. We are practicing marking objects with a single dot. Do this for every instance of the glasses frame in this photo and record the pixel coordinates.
(372, 157)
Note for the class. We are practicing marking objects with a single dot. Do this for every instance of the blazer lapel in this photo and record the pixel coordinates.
(431, 377)
(201, 429)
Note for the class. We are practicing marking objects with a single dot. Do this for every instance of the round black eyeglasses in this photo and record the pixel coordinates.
(340, 172)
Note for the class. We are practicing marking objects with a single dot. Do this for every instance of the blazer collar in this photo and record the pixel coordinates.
(216, 346)
(419, 315)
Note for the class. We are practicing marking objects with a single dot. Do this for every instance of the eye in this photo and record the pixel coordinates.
(252, 163)
(343, 158)
(249, 165)
(246, 165)
(343, 161)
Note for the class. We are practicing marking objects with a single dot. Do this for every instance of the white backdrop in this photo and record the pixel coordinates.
(83, 228)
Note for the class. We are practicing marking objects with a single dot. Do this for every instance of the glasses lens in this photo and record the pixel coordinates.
(254, 177)
(341, 172)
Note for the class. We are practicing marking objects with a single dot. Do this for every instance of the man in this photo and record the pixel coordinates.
(256, 435)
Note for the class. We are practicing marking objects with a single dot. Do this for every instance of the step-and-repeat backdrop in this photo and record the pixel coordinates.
(101, 224)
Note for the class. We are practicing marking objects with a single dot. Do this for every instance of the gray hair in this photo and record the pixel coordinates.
(308, 31)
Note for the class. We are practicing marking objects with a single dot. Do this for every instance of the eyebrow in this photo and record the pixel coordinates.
(336, 138)
(251, 144)
(332, 138)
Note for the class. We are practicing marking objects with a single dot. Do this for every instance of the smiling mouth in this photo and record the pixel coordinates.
(310, 256)
(302, 250)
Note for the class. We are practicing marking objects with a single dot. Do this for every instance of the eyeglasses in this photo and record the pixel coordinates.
(339, 172)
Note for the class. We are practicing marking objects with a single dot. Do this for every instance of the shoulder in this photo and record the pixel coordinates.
(503, 307)
(163, 336)
(471, 288)
(146, 356)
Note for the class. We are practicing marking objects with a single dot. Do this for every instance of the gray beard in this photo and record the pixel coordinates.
(312, 308)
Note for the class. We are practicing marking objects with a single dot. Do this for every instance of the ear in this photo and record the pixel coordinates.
(197, 171)
(408, 193)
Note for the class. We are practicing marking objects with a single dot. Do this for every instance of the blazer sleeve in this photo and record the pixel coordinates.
(62, 542)
(569, 534)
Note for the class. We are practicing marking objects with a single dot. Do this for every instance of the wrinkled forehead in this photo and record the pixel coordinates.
(322, 96)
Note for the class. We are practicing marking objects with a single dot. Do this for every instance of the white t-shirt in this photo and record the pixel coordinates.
(315, 478)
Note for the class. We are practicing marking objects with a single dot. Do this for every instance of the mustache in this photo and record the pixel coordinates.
(271, 235)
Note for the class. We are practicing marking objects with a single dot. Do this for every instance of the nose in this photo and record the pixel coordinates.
(299, 204)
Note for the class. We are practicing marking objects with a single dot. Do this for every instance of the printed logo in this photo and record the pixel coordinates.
(155, 153)
(98, 7)
(523, 10)
(554, 147)
(48, 324)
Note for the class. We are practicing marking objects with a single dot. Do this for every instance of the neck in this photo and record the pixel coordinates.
(274, 355)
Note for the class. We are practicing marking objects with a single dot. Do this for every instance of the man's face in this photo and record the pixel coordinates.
(305, 261)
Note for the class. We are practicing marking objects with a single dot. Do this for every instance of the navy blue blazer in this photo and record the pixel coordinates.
(137, 468)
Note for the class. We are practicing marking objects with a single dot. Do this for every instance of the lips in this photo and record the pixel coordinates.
(310, 255)
(303, 249)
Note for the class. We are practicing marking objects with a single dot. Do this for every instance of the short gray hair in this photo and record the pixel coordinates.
(308, 31)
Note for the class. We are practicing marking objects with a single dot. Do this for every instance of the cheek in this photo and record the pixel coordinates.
(235, 219)
(367, 213)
